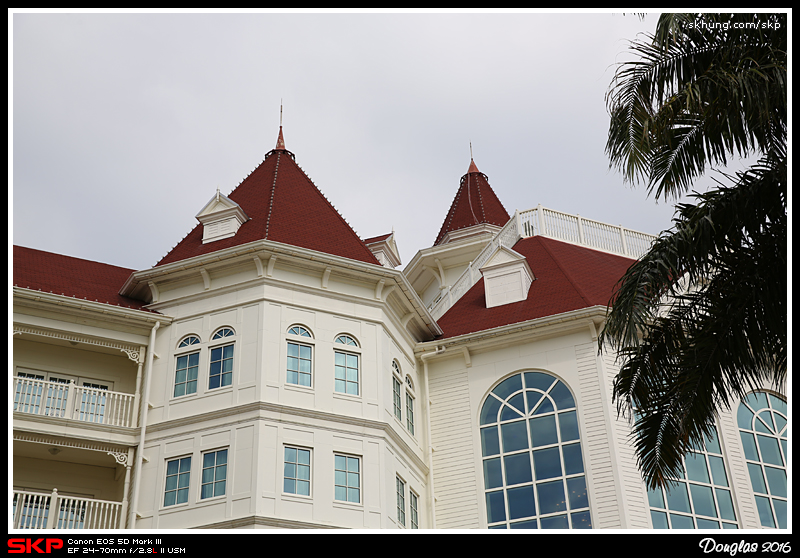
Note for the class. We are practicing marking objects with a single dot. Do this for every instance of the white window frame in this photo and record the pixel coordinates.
(351, 348)
(347, 477)
(225, 336)
(297, 464)
(217, 477)
(178, 488)
(300, 340)
(400, 489)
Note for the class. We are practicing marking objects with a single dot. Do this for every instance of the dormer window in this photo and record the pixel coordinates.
(221, 218)
(507, 277)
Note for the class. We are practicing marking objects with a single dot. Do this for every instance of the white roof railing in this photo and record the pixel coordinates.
(541, 221)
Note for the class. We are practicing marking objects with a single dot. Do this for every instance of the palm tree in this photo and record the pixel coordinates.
(700, 320)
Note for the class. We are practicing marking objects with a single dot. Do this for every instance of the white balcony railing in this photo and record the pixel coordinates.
(33, 510)
(541, 221)
(68, 400)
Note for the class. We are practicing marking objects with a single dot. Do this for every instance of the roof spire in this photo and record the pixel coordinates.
(472, 166)
(280, 144)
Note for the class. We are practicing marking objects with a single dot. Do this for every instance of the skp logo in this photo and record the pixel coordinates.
(29, 546)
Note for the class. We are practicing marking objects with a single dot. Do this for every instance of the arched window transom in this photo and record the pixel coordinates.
(532, 460)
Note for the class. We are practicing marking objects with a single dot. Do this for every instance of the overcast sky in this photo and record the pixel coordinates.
(124, 125)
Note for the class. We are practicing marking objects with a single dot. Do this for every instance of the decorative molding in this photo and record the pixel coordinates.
(206, 279)
(133, 352)
(74, 444)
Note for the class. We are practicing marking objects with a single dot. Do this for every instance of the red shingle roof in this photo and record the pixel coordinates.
(73, 277)
(475, 203)
(282, 205)
(568, 277)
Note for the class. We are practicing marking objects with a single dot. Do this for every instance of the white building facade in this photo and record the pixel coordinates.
(269, 375)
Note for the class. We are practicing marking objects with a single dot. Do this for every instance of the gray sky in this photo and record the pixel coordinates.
(124, 125)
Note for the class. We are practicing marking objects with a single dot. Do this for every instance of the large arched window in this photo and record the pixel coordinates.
(762, 427)
(532, 460)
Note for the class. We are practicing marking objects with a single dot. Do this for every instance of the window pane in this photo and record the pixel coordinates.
(749, 445)
(562, 397)
(770, 453)
(556, 522)
(703, 500)
(538, 380)
(696, 467)
(508, 386)
(718, 470)
(551, 497)
(576, 490)
(776, 479)
(515, 436)
(495, 506)
(547, 463)
(581, 520)
(678, 497)
(764, 512)
(490, 443)
(518, 468)
(659, 520)
(521, 503)
(756, 478)
(573, 460)
(568, 423)
(489, 410)
(492, 473)
(725, 504)
(543, 431)
(681, 521)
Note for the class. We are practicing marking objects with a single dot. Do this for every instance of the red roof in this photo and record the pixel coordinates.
(73, 277)
(568, 277)
(283, 205)
(475, 203)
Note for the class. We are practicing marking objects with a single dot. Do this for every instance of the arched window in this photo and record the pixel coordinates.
(298, 356)
(762, 427)
(188, 341)
(700, 498)
(532, 460)
(299, 330)
(346, 367)
(222, 333)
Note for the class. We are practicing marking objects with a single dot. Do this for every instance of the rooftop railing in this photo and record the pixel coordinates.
(541, 221)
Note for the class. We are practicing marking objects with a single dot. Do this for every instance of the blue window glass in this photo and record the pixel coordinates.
(533, 469)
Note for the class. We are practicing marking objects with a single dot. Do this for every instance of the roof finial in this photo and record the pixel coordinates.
(472, 166)
(280, 144)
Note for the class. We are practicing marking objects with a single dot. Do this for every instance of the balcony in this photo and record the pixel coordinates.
(73, 402)
(34, 510)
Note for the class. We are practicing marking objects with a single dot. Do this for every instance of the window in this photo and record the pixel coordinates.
(347, 478)
(533, 470)
(215, 470)
(414, 507)
(298, 359)
(299, 330)
(396, 398)
(222, 333)
(297, 471)
(221, 371)
(346, 367)
(401, 501)
(188, 341)
(186, 374)
(762, 427)
(410, 413)
(701, 498)
(176, 489)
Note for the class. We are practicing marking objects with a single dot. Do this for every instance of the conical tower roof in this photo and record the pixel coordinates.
(282, 204)
(475, 204)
